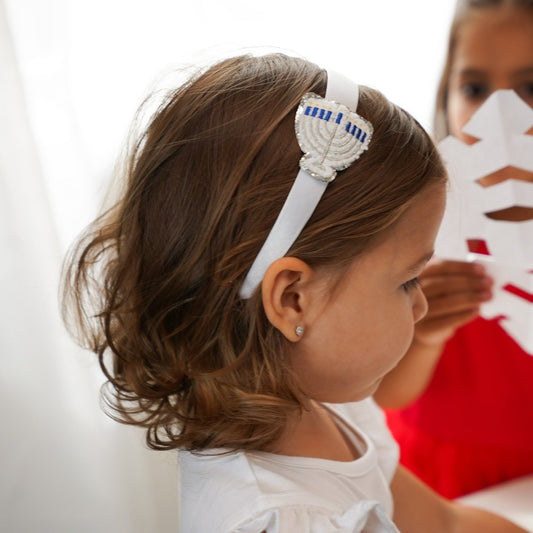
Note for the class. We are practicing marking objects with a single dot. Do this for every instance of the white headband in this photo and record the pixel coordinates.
(332, 136)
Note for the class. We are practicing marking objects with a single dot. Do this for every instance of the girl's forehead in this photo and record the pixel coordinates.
(488, 44)
(495, 35)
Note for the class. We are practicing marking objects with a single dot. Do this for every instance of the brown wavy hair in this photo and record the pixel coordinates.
(464, 11)
(153, 284)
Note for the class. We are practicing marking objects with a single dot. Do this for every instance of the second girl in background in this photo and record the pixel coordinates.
(471, 423)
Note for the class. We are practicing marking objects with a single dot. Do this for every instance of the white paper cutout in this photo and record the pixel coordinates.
(500, 124)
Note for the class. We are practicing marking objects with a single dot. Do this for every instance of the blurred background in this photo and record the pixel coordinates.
(72, 74)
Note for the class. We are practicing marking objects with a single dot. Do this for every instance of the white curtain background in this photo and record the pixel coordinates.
(72, 74)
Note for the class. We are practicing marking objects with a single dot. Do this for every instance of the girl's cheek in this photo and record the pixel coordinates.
(457, 121)
(459, 113)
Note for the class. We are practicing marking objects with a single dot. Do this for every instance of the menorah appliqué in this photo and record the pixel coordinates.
(331, 136)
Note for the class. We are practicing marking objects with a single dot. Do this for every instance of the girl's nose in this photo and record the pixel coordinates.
(420, 305)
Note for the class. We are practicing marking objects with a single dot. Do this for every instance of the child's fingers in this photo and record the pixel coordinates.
(453, 300)
(439, 267)
(437, 286)
(439, 329)
(454, 303)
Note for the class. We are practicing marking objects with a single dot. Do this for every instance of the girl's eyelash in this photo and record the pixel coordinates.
(475, 91)
(411, 284)
(525, 90)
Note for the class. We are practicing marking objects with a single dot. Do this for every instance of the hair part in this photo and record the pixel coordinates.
(154, 283)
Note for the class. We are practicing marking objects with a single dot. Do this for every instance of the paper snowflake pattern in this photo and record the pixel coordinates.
(468, 231)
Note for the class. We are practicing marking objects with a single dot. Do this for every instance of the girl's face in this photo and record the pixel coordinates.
(493, 50)
(359, 330)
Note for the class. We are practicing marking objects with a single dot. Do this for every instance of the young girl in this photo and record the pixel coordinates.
(250, 299)
(473, 425)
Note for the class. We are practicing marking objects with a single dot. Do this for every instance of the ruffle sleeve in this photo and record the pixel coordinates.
(367, 516)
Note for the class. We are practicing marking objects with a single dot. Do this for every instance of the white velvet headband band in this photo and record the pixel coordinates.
(332, 136)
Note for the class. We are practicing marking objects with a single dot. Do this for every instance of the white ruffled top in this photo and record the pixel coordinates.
(252, 492)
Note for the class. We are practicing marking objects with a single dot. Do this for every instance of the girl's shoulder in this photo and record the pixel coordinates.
(369, 420)
(247, 491)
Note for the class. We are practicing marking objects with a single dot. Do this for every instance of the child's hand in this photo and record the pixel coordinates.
(454, 290)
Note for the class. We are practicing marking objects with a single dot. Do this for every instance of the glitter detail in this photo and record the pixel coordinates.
(331, 136)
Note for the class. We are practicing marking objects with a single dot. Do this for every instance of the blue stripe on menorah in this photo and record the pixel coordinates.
(354, 130)
(323, 114)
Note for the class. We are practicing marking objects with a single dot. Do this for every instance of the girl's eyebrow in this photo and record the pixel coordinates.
(415, 267)
(472, 71)
(469, 71)
(523, 71)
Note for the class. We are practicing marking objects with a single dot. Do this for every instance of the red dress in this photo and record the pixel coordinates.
(473, 426)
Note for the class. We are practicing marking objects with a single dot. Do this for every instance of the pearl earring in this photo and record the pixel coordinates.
(299, 331)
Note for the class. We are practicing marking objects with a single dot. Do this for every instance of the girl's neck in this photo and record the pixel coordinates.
(315, 433)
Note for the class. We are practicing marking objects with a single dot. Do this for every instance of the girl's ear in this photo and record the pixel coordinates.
(284, 293)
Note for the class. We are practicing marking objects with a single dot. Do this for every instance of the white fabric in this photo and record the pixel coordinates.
(65, 467)
(302, 199)
(250, 492)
